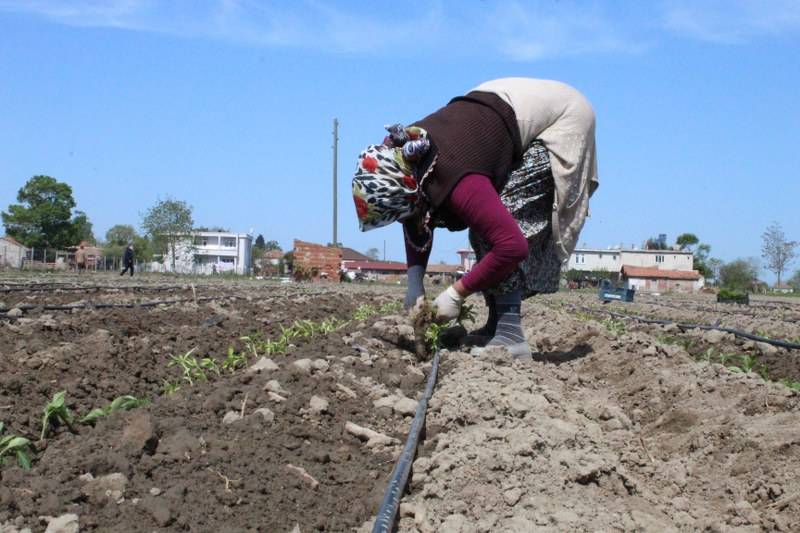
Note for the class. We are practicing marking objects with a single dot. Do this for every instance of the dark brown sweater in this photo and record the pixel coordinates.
(473, 134)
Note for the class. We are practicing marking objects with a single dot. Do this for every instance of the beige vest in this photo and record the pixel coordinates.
(562, 118)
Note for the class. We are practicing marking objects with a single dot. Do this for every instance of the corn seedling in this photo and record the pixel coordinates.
(56, 410)
(763, 371)
(250, 344)
(190, 367)
(271, 347)
(725, 357)
(209, 363)
(13, 446)
(708, 355)
(288, 334)
(233, 360)
(616, 327)
(123, 403)
(762, 333)
(304, 328)
(363, 312)
(794, 385)
(389, 308)
(169, 388)
(331, 324)
(747, 362)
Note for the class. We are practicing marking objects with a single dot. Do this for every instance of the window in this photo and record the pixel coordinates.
(580, 258)
(599, 256)
(659, 259)
(614, 257)
(229, 242)
(226, 260)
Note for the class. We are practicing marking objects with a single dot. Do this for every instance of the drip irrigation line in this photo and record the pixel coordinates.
(387, 514)
(94, 288)
(774, 342)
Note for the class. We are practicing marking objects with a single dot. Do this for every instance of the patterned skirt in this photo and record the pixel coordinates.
(528, 195)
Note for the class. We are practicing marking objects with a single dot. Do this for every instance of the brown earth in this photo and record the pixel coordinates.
(616, 425)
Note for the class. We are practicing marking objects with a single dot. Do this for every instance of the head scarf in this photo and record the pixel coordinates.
(385, 189)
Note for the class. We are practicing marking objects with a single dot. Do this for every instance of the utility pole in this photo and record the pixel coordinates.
(335, 165)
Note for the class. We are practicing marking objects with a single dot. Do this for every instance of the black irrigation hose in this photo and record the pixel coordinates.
(775, 342)
(387, 514)
(93, 288)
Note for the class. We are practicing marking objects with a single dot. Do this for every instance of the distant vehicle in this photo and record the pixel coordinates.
(287, 280)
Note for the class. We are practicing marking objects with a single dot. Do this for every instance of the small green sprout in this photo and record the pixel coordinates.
(250, 344)
(122, 403)
(792, 384)
(390, 307)
(234, 360)
(466, 313)
(708, 355)
(209, 363)
(616, 327)
(363, 312)
(13, 446)
(748, 362)
(56, 410)
(169, 387)
(190, 367)
(433, 336)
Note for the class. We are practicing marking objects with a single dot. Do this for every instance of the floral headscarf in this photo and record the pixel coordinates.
(384, 187)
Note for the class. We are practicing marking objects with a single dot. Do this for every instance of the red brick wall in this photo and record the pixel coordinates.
(318, 259)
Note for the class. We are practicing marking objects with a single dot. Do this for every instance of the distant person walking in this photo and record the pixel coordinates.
(80, 257)
(127, 260)
(514, 162)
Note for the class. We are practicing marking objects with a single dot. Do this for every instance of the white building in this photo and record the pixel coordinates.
(210, 252)
(612, 260)
(12, 253)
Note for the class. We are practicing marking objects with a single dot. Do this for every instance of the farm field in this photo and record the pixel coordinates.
(283, 408)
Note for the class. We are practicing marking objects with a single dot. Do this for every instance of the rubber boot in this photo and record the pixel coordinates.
(508, 333)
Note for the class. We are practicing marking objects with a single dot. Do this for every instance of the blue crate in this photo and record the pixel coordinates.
(609, 293)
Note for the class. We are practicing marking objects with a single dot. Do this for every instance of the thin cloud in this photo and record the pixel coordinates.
(731, 21)
(511, 29)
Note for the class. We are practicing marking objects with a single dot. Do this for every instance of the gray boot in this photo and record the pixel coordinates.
(508, 333)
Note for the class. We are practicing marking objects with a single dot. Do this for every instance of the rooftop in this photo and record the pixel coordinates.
(650, 272)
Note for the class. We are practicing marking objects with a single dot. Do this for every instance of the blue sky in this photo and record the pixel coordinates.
(228, 105)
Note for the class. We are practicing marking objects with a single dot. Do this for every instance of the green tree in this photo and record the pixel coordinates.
(82, 229)
(778, 251)
(43, 216)
(739, 275)
(120, 236)
(168, 223)
(272, 245)
(260, 242)
(686, 240)
(372, 253)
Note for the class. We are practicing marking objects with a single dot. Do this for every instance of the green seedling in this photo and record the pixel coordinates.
(304, 328)
(363, 312)
(762, 333)
(169, 387)
(389, 308)
(209, 363)
(271, 347)
(792, 384)
(289, 333)
(13, 446)
(250, 344)
(748, 362)
(234, 360)
(331, 324)
(190, 367)
(763, 371)
(433, 336)
(56, 410)
(725, 357)
(122, 403)
(466, 313)
(616, 327)
(708, 355)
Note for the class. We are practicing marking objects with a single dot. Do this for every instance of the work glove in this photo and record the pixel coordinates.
(448, 305)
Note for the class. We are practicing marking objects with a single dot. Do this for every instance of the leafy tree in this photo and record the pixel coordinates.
(120, 236)
(272, 245)
(43, 216)
(167, 224)
(701, 259)
(373, 253)
(778, 251)
(686, 240)
(794, 281)
(739, 275)
(82, 229)
(260, 242)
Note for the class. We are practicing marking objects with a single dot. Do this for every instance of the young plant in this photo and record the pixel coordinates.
(433, 336)
(169, 388)
(390, 307)
(304, 328)
(331, 324)
(122, 403)
(56, 410)
(190, 367)
(708, 355)
(271, 347)
(363, 312)
(466, 313)
(13, 446)
(209, 363)
(233, 360)
(748, 362)
(794, 385)
(616, 327)
(250, 344)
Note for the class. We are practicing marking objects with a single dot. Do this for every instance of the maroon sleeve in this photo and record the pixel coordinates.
(478, 205)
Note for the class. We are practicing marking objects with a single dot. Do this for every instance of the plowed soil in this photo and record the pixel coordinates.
(615, 426)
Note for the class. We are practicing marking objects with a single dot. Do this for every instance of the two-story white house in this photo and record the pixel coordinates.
(643, 270)
(210, 252)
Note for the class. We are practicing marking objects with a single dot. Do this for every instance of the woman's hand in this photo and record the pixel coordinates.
(448, 303)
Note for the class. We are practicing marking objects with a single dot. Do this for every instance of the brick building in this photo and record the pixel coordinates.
(316, 262)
